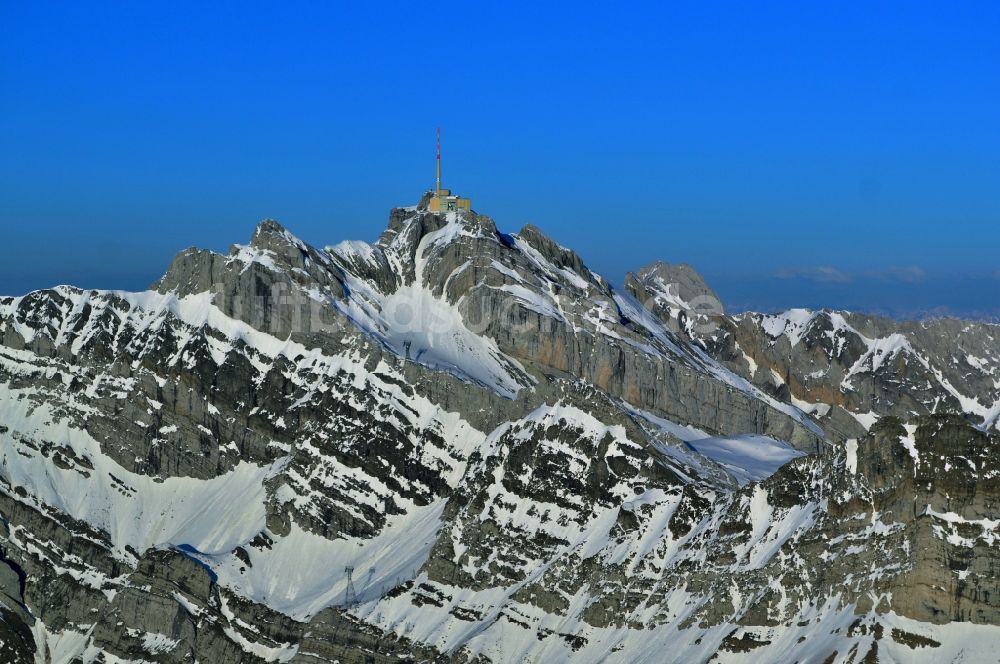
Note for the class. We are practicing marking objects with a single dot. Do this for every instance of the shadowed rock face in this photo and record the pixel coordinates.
(495, 438)
(17, 644)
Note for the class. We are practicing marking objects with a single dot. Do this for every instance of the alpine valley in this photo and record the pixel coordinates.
(517, 460)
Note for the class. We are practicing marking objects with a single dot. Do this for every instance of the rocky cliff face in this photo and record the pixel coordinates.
(518, 461)
(850, 369)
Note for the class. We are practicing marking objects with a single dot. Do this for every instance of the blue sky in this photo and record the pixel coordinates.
(839, 154)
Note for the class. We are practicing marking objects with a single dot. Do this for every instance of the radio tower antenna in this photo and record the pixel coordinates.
(437, 186)
(350, 597)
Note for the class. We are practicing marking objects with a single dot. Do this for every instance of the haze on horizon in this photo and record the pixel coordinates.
(841, 156)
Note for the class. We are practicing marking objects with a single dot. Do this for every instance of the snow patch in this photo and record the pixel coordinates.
(748, 458)
(851, 450)
(301, 573)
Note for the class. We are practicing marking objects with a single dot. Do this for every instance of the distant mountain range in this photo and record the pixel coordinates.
(929, 296)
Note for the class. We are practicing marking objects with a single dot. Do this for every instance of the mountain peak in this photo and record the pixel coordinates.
(414, 222)
(671, 285)
(272, 236)
(269, 225)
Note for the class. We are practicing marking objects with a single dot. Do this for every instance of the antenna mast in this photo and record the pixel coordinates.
(437, 188)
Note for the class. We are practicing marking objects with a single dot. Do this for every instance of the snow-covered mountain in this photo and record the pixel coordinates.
(517, 460)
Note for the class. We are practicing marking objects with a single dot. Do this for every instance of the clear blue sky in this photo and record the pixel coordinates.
(794, 152)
